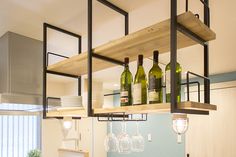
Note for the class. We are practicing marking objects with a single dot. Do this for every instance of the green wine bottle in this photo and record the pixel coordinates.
(140, 84)
(168, 83)
(126, 80)
(155, 81)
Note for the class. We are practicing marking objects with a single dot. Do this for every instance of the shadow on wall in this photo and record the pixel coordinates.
(163, 143)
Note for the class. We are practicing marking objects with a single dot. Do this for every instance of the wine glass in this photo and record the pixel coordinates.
(111, 141)
(137, 140)
(124, 141)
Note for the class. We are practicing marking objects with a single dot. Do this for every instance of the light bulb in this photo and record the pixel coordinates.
(67, 125)
(180, 125)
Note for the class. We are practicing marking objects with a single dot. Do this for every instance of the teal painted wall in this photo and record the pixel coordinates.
(163, 143)
(163, 138)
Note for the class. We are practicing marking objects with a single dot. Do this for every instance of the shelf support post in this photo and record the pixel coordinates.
(44, 71)
(206, 54)
(89, 84)
(173, 53)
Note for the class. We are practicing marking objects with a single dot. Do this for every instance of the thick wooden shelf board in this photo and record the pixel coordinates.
(149, 108)
(86, 154)
(155, 37)
(67, 113)
(155, 108)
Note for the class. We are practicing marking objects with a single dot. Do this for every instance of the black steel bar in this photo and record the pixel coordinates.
(44, 70)
(119, 10)
(58, 55)
(107, 59)
(62, 30)
(190, 34)
(186, 5)
(51, 53)
(111, 94)
(79, 78)
(206, 54)
(61, 74)
(112, 6)
(203, 77)
(173, 54)
(90, 110)
(187, 86)
(127, 24)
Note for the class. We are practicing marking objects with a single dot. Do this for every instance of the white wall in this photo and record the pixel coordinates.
(214, 135)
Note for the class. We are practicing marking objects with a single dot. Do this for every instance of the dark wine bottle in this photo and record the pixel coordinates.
(155, 81)
(126, 80)
(178, 71)
(140, 84)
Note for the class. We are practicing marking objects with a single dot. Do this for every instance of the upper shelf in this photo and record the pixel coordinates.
(155, 37)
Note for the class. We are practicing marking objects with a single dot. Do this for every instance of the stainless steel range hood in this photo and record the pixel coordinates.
(20, 70)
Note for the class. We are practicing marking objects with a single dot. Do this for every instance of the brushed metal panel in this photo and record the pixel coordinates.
(26, 56)
(4, 63)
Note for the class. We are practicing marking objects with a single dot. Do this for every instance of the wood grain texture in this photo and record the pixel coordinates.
(137, 109)
(156, 108)
(155, 37)
(67, 113)
(86, 154)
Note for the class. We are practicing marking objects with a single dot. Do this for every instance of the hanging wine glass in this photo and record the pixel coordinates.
(125, 142)
(137, 140)
(111, 141)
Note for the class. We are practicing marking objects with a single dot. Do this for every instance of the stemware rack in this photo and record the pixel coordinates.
(185, 28)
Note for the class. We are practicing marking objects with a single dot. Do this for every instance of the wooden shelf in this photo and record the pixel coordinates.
(67, 112)
(141, 42)
(149, 108)
(86, 154)
(155, 108)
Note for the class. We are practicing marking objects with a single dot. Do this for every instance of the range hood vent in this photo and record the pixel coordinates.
(21, 72)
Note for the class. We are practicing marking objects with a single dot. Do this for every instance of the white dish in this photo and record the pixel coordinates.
(70, 108)
(71, 101)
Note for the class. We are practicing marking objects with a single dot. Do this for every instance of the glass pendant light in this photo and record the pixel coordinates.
(180, 125)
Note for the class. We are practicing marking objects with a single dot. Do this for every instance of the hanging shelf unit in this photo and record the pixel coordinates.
(178, 32)
(143, 42)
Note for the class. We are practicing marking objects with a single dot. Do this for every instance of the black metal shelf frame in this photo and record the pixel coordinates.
(173, 56)
(46, 55)
(175, 26)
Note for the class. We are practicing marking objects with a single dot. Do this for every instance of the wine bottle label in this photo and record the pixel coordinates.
(155, 83)
(168, 82)
(153, 95)
(137, 93)
(124, 97)
(155, 86)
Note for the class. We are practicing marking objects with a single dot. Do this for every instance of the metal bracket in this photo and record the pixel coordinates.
(122, 117)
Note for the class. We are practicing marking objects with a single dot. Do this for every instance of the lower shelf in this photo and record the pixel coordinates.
(137, 109)
(85, 154)
(156, 108)
(68, 112)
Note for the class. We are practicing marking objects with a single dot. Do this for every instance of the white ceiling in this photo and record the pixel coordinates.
(26, 17)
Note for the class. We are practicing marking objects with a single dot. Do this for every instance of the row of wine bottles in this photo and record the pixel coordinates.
(136, 92)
